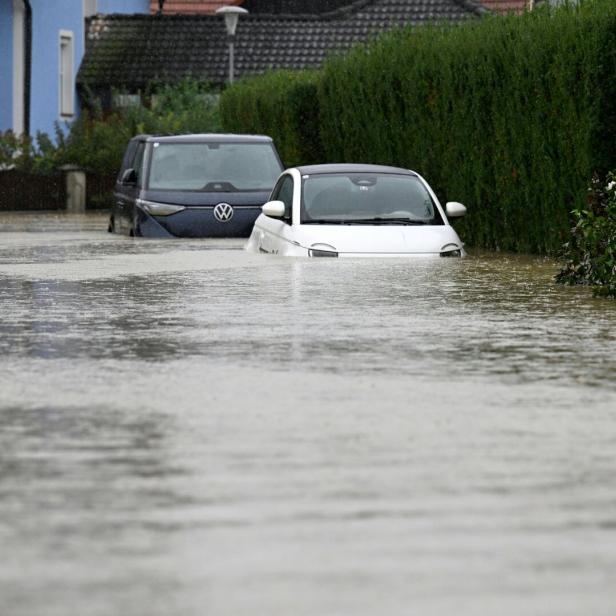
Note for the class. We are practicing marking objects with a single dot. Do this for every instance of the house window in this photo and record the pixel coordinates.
(123, 100)
(67, 81)
(89, 8)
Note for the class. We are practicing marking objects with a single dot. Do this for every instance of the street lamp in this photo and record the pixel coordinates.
(232, 16)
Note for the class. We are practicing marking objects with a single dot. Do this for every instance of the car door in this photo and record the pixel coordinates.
(127, 188)
(276, 231)
(134, 190)
(120, 197)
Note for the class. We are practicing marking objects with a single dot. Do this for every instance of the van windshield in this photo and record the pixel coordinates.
(213, 167)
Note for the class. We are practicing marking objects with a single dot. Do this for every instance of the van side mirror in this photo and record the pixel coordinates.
(129, 177)
(453, 209)
(275, 209)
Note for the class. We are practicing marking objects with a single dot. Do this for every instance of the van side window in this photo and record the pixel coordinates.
(138, 161)
(284, 192)
(128, 158)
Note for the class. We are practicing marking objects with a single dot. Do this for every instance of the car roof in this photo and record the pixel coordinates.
(352, 168)
(205, 138)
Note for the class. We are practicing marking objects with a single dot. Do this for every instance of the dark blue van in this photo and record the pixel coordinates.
(193, 185)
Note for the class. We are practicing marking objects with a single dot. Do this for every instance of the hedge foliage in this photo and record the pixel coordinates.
(510, 115)
(283, 105)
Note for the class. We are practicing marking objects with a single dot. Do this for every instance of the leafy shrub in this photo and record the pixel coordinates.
(8, 147)
(39, 155)
(15, 151)
(590, 254)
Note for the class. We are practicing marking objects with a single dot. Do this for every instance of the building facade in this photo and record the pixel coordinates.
(41, 47)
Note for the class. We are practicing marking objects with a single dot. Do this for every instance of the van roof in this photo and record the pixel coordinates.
(205, 138)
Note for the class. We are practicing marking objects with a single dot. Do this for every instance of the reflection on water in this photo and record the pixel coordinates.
(187, 428)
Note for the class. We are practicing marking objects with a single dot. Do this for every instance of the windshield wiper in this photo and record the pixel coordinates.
(401, 221)
(363, 221)
(324, 222)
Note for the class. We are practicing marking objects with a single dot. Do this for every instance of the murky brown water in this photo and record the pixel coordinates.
(189, 429)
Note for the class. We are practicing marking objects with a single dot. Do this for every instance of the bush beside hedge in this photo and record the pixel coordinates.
(590, 254)
(510, 115)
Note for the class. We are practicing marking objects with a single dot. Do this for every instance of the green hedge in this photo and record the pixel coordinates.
(283, 105)
(510, 115)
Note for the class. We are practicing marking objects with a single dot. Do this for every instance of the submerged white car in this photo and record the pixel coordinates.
(355, 211)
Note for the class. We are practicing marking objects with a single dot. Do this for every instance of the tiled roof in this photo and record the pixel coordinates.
(191, 6)
(506, 6)
(131, 51)
(295, 7)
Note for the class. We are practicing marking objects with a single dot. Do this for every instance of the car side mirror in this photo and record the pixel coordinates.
(454, 209)
(129, 177)
(275, 209)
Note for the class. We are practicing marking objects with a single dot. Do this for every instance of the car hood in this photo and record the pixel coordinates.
(205, 199)
(380, 239)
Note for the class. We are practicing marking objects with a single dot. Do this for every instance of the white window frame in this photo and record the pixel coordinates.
(66, 82)
(124, 100)
(18, 66)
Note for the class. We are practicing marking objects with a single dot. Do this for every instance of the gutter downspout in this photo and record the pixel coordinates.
(27, 64)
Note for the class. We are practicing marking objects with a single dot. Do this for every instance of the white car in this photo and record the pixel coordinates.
(355, 211)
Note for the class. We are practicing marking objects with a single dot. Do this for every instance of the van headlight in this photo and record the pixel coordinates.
(159, 209)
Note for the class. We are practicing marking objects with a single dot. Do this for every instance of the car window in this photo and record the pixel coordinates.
(284, 192)
(129, 155)
(376, 197)
(138, 161)
(213, 167)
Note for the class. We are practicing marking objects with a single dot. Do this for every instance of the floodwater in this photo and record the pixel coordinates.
(189, 429)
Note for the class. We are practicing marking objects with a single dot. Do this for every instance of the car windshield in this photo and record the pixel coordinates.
(213, 167)
(356, 198)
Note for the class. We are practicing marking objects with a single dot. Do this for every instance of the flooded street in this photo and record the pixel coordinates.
(186, 428)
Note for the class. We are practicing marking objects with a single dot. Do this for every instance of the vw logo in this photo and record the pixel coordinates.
(223, 212)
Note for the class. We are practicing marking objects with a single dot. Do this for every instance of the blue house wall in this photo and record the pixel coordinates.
(123, 6)
(49, 20)
(6, 63)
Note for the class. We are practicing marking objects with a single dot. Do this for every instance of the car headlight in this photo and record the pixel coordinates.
(159, 209)
(323, 250)
(451, 250)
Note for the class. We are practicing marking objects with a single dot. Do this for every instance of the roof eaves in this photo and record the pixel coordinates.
(341, 13)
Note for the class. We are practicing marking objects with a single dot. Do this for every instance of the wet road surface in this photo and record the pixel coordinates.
(189, 429)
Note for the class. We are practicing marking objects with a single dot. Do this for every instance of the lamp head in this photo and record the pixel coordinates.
(231, 15)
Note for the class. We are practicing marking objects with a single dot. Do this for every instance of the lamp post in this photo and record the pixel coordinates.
(232, 16)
